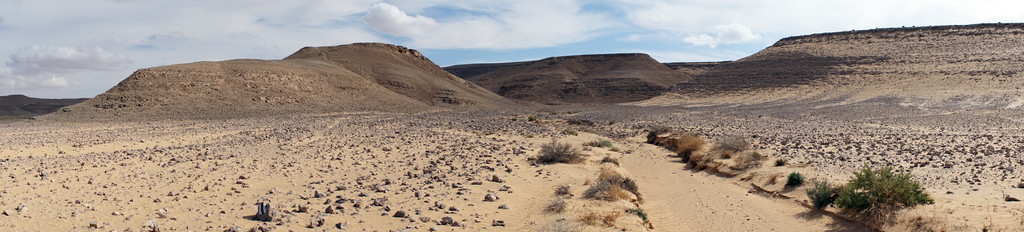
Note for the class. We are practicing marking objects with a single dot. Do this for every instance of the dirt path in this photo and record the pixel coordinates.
(679, 199)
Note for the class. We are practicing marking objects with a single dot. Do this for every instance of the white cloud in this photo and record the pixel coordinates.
(724, 34)
(9, 80)
(388, 19)
(512, 24)
(42, 59)
(702, 40)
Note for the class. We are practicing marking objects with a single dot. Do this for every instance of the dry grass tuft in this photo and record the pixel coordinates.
(556, 206)
(556, 152)
(611, 186)
(773, 178)
(594, 218)
(563, 190)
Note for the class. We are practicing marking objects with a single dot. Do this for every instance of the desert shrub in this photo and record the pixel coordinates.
(570, 132)
(653, 133)
(794, 179)
(883, 189)
(781, 162)
(563, 190)
(609, 159)
(590, 218)
(531, 118)
(822, 194)
(611, 186)
(599, 143)
(747, 160)
(556, 152)
(734, 144)
(687, 144)
(610, 218)
(640, 213)
(556, 206)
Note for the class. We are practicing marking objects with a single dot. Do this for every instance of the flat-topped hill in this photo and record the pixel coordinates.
(347, 78)
(942, 66)
(607, 78)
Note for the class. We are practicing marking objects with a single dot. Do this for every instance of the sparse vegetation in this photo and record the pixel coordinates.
(556, 152)
(781, 162)
(773, 178)
(609, 159)
(732, 144)
(822, 194)
(594, 218)
(611, 186)
(563, 190)
(570, 132)
(556, 206)
(794, 179)
(747, 160)
(882, 190)
(640, 213)
(687, 144)
(531, 118)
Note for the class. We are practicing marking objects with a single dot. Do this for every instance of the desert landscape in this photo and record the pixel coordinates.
(376, 137)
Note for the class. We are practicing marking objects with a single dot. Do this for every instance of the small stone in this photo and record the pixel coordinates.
(318, 194)
(303, 208)
(497, 179)
(503, 206)
(234, 229)
(341, 225)
(400, 214)
(447, 221)
(453, 209)
(8, 212)
(490, 198)
(433, 229)
(500, 223)
(116, 213)
(94, 225)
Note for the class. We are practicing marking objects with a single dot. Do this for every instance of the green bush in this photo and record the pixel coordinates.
(794, 179)
(605, 143)
(882, 188)
(555, 152)
(822, 194)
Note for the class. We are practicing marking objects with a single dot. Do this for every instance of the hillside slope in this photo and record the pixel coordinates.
(970, 66)
(347, 78)
(609, 78)
(21, 106)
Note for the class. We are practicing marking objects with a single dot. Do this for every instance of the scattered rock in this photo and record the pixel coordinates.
(317, 221)
(266, 211)
(500, 223)
(503, 206)
(447, 221)
(400, 214)
(490, 198)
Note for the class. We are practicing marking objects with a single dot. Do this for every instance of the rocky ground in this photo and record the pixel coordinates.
(471, 171)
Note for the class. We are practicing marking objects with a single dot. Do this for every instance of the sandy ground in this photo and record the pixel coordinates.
(382, 172)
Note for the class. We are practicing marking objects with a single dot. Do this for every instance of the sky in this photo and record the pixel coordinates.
(81, 48)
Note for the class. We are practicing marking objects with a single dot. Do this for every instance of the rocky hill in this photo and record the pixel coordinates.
(21, 106)
(608, 78)
(969, 66)
(347, 78)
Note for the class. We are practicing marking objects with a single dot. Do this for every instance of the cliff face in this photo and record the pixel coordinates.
(944, 66)
(356, 77)
(607, 78)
